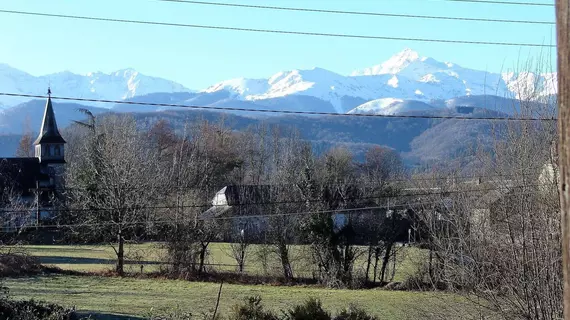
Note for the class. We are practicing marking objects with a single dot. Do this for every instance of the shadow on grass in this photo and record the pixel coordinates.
(81, 260)
(63, 249)
(107, 316)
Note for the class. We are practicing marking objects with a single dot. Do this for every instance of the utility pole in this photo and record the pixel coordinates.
(563, 47)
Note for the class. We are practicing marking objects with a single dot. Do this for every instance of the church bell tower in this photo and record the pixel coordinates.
(49, 146)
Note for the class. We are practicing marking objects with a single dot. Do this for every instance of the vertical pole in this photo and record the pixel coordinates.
(563, 41)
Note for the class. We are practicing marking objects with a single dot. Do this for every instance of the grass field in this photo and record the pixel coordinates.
(137, 296)
(102, 258)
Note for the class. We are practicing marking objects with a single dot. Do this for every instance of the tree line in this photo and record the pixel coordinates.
(500, 246)
(127, 183)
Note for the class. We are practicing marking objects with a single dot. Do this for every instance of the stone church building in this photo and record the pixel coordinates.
(30, 186)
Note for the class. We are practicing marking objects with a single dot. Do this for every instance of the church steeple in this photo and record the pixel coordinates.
(49, 132)
(49, 144)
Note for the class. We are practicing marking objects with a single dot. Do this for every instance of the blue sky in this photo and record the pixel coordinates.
(198, 58)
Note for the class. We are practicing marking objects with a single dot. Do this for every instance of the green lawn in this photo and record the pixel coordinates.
(132, 296)
(102, 258)
(137, 296)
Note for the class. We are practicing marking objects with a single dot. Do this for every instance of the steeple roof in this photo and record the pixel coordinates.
(49, 132)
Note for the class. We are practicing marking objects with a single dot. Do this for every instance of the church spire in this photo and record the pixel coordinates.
(49, 132)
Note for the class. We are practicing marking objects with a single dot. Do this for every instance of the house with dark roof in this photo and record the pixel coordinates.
(246, 210)
(29, 185)
(242, 208)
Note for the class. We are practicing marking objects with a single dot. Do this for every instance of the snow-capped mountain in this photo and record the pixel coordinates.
(119, 85)
(390, 106)
(386, 88)
(319, 83)
(405, 76)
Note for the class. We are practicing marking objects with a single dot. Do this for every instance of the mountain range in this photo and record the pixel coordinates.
(405, 76)
(118, 85)
(407, 83)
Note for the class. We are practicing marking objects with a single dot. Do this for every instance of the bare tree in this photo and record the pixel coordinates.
(501, 244)
(113, 184)
(196, 163)
(239, 245)
(286, 166)
(382, 226)
(25, 147)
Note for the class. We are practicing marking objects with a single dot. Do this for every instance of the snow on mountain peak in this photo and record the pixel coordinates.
(315, 82)
(406, 55)
(390, 106)
(241, 87)
(394, 65)
(126, 73)
(117, 85)
(405, 76)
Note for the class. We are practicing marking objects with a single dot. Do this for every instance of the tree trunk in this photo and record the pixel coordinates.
(385, 261)
(120, 255)
(203, 248)
(347, 274)
(430, 266)
(368, 263)
(376, 259)
(285, 263)
(241, 260)
(393, 266)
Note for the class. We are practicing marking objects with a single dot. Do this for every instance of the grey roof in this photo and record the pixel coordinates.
(248, 194)
(252, 200)
(49, 132)
(497, 190)
(215, 212)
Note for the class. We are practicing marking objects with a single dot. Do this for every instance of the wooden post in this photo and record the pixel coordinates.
(563, 40)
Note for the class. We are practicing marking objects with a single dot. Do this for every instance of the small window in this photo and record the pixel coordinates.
(57, 151)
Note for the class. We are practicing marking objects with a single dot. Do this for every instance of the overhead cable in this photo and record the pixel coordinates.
(273, 31)
(277, 111)
(358, 13)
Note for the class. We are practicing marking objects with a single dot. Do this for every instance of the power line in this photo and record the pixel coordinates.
(446, 192)
(277, 111)
(359, 13)
(173, 221)
(358, 210)
(411, 180)
(273, 31)
(505, 2)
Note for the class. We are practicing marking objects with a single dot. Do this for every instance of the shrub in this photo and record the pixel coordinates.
(312, 309)
(354, 313)
(180, 314)
(34, 310)
(252, 310)
(19, 264)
